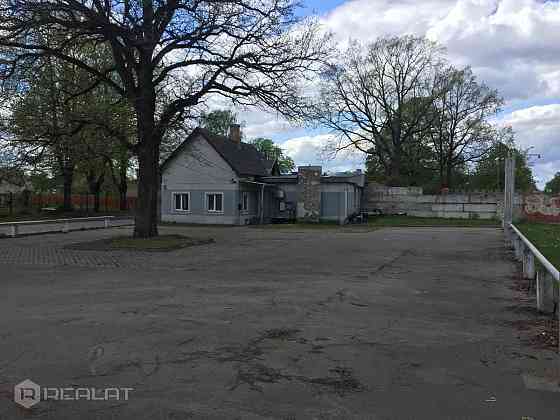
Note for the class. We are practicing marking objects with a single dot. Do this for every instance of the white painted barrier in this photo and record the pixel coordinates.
(63, 225)
(547, 275)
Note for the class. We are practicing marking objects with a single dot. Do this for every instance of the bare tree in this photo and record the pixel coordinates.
(378, 98)
(461, 132)
(168, 55)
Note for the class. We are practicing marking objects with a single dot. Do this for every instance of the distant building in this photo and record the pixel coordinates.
(213, 179)
(12, 184)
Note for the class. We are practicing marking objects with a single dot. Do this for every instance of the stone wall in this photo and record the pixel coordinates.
(541, 208)
(309, 193)
(412, 201)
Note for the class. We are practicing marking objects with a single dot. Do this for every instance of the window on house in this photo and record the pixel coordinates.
(245, 201)
(181, 201)
(215, 202)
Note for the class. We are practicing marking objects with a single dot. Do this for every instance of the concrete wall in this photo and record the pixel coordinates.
(411, 200)
(200, 170)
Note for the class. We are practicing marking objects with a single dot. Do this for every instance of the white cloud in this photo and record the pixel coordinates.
(538, 127)
(315, 150)
(262, 124)
(512, 44)
(368, 19)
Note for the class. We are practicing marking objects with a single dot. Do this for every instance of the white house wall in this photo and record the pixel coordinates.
(198, 169)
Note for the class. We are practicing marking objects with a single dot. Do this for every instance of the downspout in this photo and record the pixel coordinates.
(262, 205)
(345, 214)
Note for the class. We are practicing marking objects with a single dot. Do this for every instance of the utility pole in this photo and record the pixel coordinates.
(509, 191)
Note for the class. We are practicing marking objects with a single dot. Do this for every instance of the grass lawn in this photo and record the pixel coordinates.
(388, 221)
(391, 221)
(301, 225)
(546, 237)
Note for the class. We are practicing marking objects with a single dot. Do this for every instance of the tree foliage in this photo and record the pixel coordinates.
(43, 123)
(461, 132)
(553, 186)
(489, 173)
(274, 152)
(378, 98)
(218, 122)
(418, 120)
(168, 56)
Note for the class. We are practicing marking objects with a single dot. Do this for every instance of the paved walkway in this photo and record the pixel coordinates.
(275, 324)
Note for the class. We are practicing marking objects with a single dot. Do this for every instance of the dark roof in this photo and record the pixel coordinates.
(243, 158)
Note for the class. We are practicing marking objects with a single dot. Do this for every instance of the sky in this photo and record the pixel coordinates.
(512, 46)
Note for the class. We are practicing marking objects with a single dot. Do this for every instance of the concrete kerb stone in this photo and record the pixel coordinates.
(547, 292)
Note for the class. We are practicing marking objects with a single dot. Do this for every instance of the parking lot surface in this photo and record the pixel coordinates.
(273, 323)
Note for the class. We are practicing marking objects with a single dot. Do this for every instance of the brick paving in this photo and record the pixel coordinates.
(50, 250)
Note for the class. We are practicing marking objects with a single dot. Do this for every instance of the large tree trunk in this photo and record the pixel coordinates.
(146, 217)
(68, 177)
(395, 164)
(123, 201)
(96, 201)
(395, 175)
(123, 190)
(442, 181)
(123, 185)
(395, 168)
(148, 188)
(448, 175)
(95, 184)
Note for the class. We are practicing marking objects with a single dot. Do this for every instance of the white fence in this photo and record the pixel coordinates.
(13, 229)
(546, 275)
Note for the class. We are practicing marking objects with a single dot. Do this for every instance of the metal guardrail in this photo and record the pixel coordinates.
(66, 224)
(547, 275)
(533, 249)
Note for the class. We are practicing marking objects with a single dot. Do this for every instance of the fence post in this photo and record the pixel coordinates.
(529, 265)
(13, 231)
(66, 227)
(545, 292)
(519, 248)
(106, 222)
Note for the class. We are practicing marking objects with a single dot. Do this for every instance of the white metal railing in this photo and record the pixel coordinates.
(14, 227)
(547, 275)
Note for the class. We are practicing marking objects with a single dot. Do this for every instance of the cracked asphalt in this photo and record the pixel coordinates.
(274, 323)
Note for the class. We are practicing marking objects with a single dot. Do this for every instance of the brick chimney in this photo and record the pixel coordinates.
(235, 133)
(309, 193)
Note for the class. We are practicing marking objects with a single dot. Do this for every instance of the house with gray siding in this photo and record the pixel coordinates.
(213, 179)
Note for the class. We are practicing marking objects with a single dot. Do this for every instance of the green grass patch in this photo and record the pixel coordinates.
(404, 221)
(161, 243)
(301, 225)
(546, 237)
(389, 221)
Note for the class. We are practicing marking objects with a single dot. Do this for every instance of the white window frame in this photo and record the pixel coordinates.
(243, 195)
(206, 202)
(174, 202)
